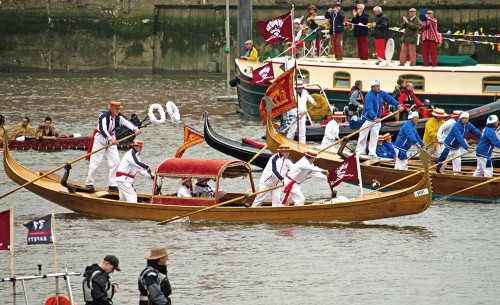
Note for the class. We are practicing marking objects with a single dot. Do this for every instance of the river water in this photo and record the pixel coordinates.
(449, 254)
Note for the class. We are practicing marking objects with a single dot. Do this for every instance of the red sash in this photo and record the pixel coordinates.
(118, 174)
(288, 189)
(91, 145)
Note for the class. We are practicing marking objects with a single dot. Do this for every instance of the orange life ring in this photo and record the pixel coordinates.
(63, 300)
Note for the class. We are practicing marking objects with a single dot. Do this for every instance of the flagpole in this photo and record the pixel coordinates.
(53, 228)
(12, 266)
(358, 166)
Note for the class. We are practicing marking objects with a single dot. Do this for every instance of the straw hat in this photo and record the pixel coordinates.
(137, 143)
(381, 138)
(157, 253)
(115, 105)
(456, 113)
(387, 136)
(311, 154)
(300, 84)
(438, 112)
(184, 180)
(284, 147)
(338, 114)
(202, 179)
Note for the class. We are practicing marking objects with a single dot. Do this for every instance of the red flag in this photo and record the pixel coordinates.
(277, 29)
(263, 74)
(345, 171)
(191, 138)
(5, 230)
(281, 92)
(40, 231)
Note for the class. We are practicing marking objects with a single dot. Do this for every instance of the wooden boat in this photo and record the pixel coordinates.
(449, 87)
(247, 149)
(443, 184)
(158, 207)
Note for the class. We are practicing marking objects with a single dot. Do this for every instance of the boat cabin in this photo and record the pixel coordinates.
(221, 173)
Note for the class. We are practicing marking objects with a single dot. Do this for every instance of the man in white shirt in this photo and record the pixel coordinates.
(131, 166)
(444, 129)
(298, 174)
(302, 96)
(186, 189)
(332, 131)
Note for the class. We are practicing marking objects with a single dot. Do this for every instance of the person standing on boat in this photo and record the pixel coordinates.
(97, 289)
(356, 98)
(311, 23)
(380, 32)
(332, 131)
(186, 189)
(485, 146)
(251, 52)
(411, 25)
(445, 129)
(23, 129)
(372, 112)
(300, 113)
(407, 137)
(274, 174)
(430, 39)
(153, 282)
(336, 18)
(298, 173)
(130, 166)
(108, 123)
(456, 139)
(408, 99)
(360, 21)
(431, 132)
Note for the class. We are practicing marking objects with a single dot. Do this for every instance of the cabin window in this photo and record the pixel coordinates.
(417, 81)
(304, 75)
(491, 84)
(341, 80)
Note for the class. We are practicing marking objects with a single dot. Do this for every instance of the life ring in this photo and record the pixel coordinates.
(61, 300)
(152, 116)
(173, 112)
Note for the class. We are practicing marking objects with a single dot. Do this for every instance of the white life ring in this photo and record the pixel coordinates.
(152, 116)
(173, 112)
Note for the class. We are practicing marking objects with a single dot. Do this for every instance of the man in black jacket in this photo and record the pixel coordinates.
(154, 285)
(336, 18)
(97, 289)
(380, 32)
(359, 21)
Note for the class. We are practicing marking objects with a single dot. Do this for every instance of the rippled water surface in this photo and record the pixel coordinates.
(449, 254)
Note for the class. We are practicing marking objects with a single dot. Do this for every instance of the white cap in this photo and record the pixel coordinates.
(492, 119)
(464, 115)
(375, 83)
(412, 114)
(297, 20)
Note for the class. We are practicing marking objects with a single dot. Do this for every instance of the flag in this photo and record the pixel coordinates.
(345, 171)
(40, 231)
(277, 29)
(5, 230)
(191, 138)
(281, 92)
(263, 74)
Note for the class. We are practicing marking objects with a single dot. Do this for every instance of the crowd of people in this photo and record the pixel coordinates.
(24, 130)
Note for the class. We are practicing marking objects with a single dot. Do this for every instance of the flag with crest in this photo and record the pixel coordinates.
(263, 74)
(40, 231)
(5, 228)
(191, 138)
(277, 29)
(345, 171)
(281, 92)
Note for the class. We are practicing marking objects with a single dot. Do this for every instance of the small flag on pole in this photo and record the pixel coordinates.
(345, 171)
(191, 138)
(263, 74)
(40, 231)
(5, 230)
(276, 29)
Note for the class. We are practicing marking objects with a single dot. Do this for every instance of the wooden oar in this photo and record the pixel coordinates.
(62, 166)
(258, 153)
(419, 172)
(218, 205)
(354, 133)
(470, 187)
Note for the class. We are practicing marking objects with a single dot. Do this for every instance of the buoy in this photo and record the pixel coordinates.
(152, 116)
(63, 300)
(173, 112)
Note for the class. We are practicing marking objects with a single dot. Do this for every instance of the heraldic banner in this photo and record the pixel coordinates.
(263, 74)
(345, 171)
(5, 230)
(281, 92)
(191, 138)
(277, 29)
(40, 231)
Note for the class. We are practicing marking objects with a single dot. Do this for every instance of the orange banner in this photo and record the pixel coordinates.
(281, 92)
(191, 138)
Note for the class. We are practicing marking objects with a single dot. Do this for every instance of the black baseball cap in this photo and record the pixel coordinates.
(113, 260)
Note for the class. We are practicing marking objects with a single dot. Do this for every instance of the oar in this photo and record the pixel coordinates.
(295, 121)
(470, 187)
(217, 205)
(62, 166)
(419, 172)
(354, 133)
(258, 153)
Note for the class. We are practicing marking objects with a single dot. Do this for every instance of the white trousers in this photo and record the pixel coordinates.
(111, 154)
(275, 195)
(457, 163)
(295, 194)
(482, 170)
(363, 136)
(127, 192)
(434, 151)
(400, 164)
(302, 130)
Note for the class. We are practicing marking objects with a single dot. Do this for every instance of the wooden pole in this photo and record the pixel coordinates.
(218, 205)
(470, 187)
(62, 166)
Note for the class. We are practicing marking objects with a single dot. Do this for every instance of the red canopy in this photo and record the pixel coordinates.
(183, 167)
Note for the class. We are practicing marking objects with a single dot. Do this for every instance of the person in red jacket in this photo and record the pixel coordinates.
(430, 39)
(408, 99)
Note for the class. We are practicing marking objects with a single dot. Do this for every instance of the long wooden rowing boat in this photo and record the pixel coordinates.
(443, 184)
(158, 207)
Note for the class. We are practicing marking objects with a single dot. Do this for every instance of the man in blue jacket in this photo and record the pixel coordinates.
(336, 18)
(456, 139)
(372, 113)
(485, 146)
(407, 136)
